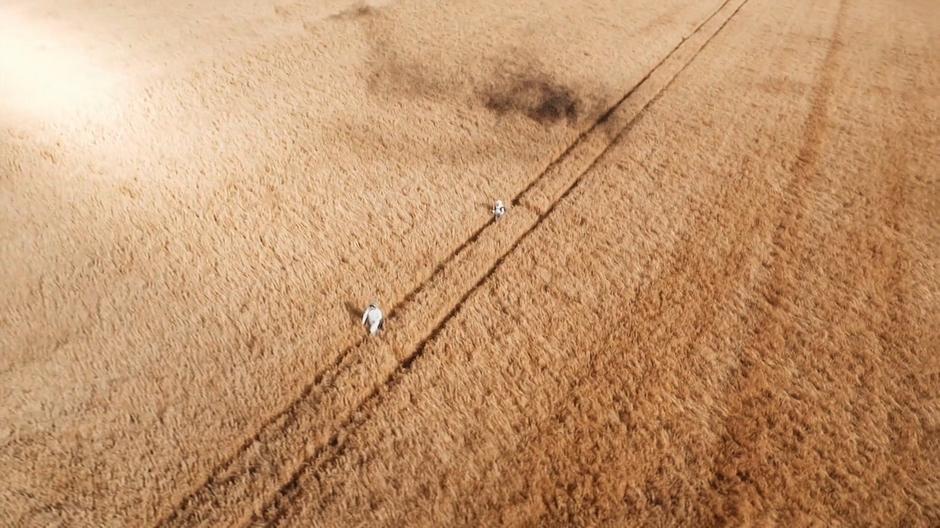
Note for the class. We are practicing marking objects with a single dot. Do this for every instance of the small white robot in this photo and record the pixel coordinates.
(499, 209)
(373, 319)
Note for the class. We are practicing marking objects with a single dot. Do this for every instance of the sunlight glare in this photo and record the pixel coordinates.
(40, 75)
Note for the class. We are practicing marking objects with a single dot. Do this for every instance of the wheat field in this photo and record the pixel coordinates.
(714, 298)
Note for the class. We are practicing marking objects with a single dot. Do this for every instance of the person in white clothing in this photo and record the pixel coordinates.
(499, 209)
(373, 318)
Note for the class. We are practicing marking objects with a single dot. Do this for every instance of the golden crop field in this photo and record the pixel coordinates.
(714, 298)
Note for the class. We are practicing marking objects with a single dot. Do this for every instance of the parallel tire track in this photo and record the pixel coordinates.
(295, 440)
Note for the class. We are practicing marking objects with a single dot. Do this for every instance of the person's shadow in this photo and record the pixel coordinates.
(355, 313)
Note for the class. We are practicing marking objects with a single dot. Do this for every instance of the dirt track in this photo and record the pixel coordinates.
(715, 299)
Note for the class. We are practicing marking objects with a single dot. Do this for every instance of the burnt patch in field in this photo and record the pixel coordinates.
(541, 100)
(392, 76)
(357, 11)
(511, 81)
